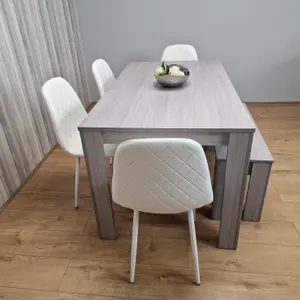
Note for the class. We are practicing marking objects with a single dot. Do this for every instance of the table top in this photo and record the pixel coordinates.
(207, 102)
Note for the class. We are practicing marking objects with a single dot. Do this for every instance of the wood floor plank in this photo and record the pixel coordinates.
(275, 110)
(57, 174)
(287, 184)
(145, 229)
(61, 244)
(252, 258)
(174, 283)
(284, 124)
(9, 238)
(280, 137)
(277, 210)
(272, 210)
(31, 272)
(50, 220)
(53, 201)
(267, 233)
(291, 211)
(48, 180)
(297, 226)
(167, 226)
(23, 294)
(285, 164)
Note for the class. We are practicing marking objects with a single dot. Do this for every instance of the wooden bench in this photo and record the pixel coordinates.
(260, 166)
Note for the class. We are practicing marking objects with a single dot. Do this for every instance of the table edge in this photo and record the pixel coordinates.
(195, 130)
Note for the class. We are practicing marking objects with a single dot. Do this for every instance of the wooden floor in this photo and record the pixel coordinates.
(49, 251)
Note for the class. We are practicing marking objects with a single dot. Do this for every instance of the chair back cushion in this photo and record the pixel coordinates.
(179, 53)
(65, 109)
(161, 175)
(103, 75)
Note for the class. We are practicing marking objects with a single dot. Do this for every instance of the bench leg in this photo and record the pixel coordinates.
(256, 191)
(218, 186)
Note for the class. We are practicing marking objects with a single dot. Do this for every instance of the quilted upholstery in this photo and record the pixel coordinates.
(103, 75)
(179, 53)
(161, 176)
(66, 113)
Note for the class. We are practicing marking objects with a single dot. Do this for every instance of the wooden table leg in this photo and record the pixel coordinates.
(239, 148)
(96, 165)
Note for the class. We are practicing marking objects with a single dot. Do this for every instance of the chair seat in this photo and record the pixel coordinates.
(75, 146)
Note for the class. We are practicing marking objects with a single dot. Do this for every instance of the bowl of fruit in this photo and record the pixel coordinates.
(172, 75)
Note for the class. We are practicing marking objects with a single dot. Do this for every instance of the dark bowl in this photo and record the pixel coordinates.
(171, 81)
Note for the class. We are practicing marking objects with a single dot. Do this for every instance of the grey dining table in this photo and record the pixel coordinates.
(206, 109)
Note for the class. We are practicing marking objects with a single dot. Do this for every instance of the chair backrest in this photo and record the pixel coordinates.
(103, 74)
(179, 53)
(161, 176)
(65, 109)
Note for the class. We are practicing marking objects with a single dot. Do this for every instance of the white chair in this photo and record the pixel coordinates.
(179, 53)
(105, 79)
(67, 112)
(103, 75)
(161, 176)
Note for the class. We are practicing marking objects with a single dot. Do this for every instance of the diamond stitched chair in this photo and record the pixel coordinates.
(161, 176)
(66, 113)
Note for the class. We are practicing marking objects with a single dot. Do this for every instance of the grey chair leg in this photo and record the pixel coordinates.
(218, 186)
(256, 191)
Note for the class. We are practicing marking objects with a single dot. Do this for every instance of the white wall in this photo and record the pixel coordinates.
(257, 40)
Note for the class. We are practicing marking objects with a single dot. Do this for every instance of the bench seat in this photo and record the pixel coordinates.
(260, 165)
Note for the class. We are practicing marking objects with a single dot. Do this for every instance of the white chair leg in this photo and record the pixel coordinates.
(194, 245)
(134, 242)
(77, 176)
(111, 160)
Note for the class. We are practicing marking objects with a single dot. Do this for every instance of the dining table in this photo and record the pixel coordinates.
(206, 109)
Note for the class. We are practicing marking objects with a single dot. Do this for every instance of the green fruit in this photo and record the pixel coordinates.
(167, 69)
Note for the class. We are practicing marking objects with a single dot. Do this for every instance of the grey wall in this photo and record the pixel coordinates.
(38, 40)
(257, 40)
